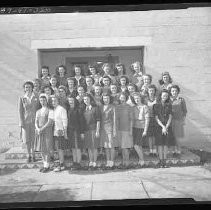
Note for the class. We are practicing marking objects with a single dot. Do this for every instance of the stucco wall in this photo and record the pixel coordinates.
(180, 42)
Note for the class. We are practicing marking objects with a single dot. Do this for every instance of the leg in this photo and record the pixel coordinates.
(78, 152)
(90, 156)
(74, 155)
(139, 152)
(151, 144)
(160, 152)
(61, 156)
(112, 156)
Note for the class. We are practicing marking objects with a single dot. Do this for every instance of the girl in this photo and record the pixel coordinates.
(80, 97)
(49, 92)
(150, 101)
(147, 80)
(71, 87)
(63, 96)
(119, 69)
(163, 130)
(27, 106)
(108, 128)
(105, 83)
(60, 131)
(131, 89)
(75, 129)
(114, 94)
(89, 84)
(179, 112)
(107, 72)
(137, 72)
(92, 128)
(124, 119)
(45, 76)
(140, 125)
(97, 94)
(37, 87)
(80, 80)
(61, 73)
(124, 81)
(94, 74)
(165, 82)
(54, 84)
(44, 131)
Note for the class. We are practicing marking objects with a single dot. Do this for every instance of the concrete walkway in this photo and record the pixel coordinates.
(29, 185)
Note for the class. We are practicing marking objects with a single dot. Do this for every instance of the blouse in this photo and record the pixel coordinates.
(140, 115)
(179, 109)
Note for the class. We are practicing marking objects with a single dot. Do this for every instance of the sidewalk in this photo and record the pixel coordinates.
(29, 185)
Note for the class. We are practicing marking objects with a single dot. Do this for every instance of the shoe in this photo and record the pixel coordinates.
(94, 164)
(51, 159)
(111, 164)
(155, 155)
(41, 169)
(62, 167)
(57, 169)
(45, 170)
(33, 159)
(141, 163)
(151, 154)
(90, 164)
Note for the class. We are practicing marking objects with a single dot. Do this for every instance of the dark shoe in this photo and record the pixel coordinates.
(51, 159)
(151, 154)
(33, 159)
(41, 170)
(45, 170)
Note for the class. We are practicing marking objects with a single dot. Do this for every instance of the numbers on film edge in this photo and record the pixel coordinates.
(24, 10)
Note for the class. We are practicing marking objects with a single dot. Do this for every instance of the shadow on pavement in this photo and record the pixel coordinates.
(7, 171)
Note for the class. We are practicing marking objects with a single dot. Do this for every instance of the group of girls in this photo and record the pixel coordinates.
(100, 112)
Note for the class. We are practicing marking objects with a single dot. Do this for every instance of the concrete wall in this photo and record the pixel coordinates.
(178, 41)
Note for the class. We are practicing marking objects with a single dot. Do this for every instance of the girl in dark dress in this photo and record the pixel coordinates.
(37, 87)
(97, 94)
(45, 76)
(78, 75)
(63, 96)
(75, 129)
(94, 74)
(119, 69)
(163, 131)
(105, 83)
(91, 115)
(115, 94)
(165, 82)
(123, 83)
(71, 89)
(89, 85)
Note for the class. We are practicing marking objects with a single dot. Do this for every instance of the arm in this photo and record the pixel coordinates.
(114, 122)
(36, 122)
(64, 121)
(97, 115)
(184, 108)
(169, 122)
(146, 125)
(49, 122)
(21, 113)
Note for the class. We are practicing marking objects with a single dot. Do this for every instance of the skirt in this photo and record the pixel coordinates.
(106, 137)
(90, 140)
(151, 128)
(28, 133)
(164, 140)
(44, 143)
(137, 136)
(74, 140)
(178, 128)
(60, 142)
(125, 139)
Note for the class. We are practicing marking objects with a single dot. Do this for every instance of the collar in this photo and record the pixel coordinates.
(78, 78)
(174, 99)
(45, 77)
(89, 107)
(25, 96)
(137, 74)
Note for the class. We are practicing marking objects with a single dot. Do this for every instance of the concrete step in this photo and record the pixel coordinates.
(16, 160)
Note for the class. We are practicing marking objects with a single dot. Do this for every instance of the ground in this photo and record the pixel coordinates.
(29, 185)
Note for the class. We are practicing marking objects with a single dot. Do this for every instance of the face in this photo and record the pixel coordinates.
(87, 101)
(71, 102)
(106, 81)
(164, 96)
(45, 72)
(119, 68)
(166, 79)
(36, 85)
(97, 90)
(28, 88)
(106, 100)
(147, 80)
(136, 67)
(61, 71)
(77, 71)
(106, 69)
(131, 89)
(113, 88)
(81, 91)
(174, 92)
(43, 101)
(92, 70)
(123, 81)
(53, 81)
(137, 99)
(151, 91)
(70, 83)
(89, 81)
(47, 91)
(55, 102)
(122, 99)
(62, 93)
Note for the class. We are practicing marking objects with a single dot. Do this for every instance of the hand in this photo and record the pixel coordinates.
(97, 134)
(38, 131)
(82, 136)
(144, 134)
(114, 133)
(65, 135)
(164, 131)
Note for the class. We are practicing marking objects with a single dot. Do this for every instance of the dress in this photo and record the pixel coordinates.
(163, 112)
(179, 112)
(44, 141)
(60, 123)
(45, 81)
(140, 115)
(73, 93)
(108, 124)
(124, 116)
(63, 102)
(27, 112)
(62, 80)
(137, 79)
(75, 128)
(152, 122)
(91, 116)
(115, 99)
(97, 100)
